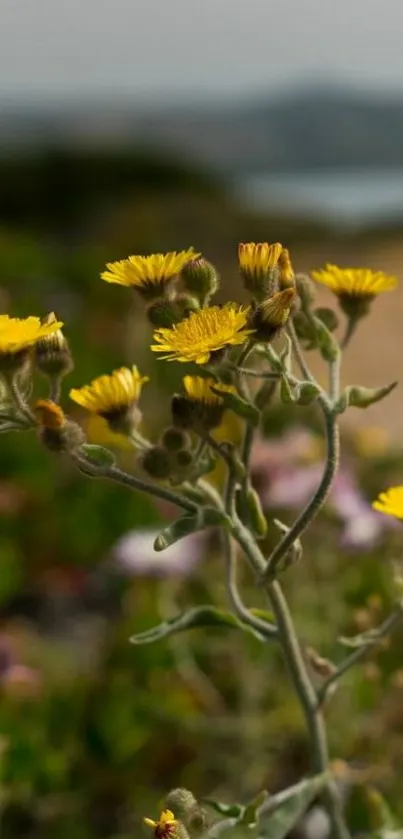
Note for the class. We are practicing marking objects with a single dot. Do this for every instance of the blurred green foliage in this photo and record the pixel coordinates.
(94, 731)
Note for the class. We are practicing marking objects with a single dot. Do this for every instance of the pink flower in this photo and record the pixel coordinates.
(134, 554)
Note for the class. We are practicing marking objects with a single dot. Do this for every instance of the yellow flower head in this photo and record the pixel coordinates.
(52, 353)
(165, 826)
(258, 259)
(200, 390)
(354, 282)
(18, 334)
(390, 502)
(49, 415)
(111, 396)
(150, 275)
(203, 333)
(199, 409)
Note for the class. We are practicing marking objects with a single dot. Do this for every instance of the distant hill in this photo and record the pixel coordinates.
(307, 130)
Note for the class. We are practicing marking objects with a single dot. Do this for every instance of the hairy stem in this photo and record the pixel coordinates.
(300, 679)
(113, 473)
(352, 324)
(316, 502)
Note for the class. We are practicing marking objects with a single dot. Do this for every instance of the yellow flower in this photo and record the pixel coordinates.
(355, 282)
(165, 826)
(150, 275)
(113, 397)
(199, 408)
(200, 390)
(257, 259)
(49, 415)
(273, 314)
(390, 502)
(99, 432)
(18, 334)
(203, 333)
(108, 394)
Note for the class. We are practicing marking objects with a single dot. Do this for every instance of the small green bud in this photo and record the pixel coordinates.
(180, 801)
(183, 459)
(306, 290)
(200, 278)
(156, 463)
(305, 331)
(167, 312)
(328, 317)
(362, 397)
(175, 439)
(327, 345)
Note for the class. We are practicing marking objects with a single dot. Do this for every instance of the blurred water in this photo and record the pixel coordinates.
(343, 197)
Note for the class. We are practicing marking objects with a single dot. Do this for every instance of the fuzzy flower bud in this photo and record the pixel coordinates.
(269, 318)
(201, 279)
(167, 312)
(174, 439)
(52, 352)
(157, 463)
(56, 432)
(306, 290)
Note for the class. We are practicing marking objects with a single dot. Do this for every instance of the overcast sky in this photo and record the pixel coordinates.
(199, 47)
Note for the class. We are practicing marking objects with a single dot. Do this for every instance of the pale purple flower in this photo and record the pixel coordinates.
(133, 554)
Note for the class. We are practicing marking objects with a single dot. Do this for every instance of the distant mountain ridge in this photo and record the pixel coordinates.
(306, 130)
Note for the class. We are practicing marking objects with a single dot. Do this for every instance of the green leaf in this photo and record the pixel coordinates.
(249, 815)
(202, 616)
(283, 810)
(190, 523)
(263, 614)
(97, 455)
(367, 811)
(229, 810)
(235, 403)
(363, 397)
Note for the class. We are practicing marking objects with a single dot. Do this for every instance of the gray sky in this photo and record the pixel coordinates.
(196, 47)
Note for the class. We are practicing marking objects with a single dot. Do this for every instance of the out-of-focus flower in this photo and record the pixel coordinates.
(355, 282)
(362, 527)
(371, 441)
(134, 554)
(148, 274)
(165, 826)
(204, 333)
(113, 397)
(390, 502)
(98, 432)
(286, 271)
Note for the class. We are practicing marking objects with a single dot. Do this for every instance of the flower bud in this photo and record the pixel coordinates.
(306, 290)
(286, 272)
(175, 439)
(271, 315)
(259, 267)
(52, 353)
(200, 278)
(156, 462)
(165, 313)
(322, 666)
(180, 801)
(197, 416)
(328, 317)
(55, 431)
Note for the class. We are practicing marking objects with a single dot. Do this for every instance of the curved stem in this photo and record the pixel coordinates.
(131, 481)
(268, 630)
(298, 353)
(316, 502)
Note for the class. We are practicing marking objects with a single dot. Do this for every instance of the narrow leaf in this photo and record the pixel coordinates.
(202, 616)
(205, 517)
(285, 809)
(229, 810)
(362, 397)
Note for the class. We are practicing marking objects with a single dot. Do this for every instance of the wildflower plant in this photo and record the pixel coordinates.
(239, 357)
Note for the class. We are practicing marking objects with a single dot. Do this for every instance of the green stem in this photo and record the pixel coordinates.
(268, 630)
(352, 324)
(376, 635)
(55, 386)
(298, 353)
(300, 679)
(113, 473)
(314, 505)
(19, 401)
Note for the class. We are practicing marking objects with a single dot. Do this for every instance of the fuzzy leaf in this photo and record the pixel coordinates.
(190, 523)
(285, 809)
(327, 345)
(97, 455)
(306, 393)
(362, 397)
(235, 403)
(249, 815)
(234, 811)
(200, 617)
